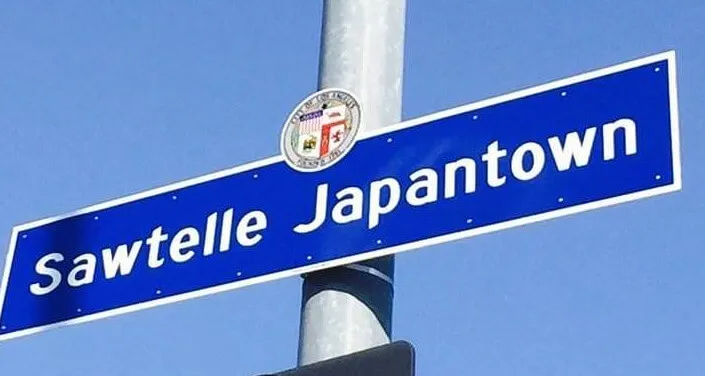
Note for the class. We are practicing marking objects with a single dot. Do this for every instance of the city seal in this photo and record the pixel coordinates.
(321, 130)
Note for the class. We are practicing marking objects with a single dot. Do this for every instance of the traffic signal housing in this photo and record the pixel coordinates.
(394, 359)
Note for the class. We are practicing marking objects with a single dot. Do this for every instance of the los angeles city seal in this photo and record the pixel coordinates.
(321, 130)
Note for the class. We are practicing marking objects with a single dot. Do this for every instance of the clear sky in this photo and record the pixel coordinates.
(100, 99)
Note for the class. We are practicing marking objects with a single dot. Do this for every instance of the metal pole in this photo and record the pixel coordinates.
(348, 309)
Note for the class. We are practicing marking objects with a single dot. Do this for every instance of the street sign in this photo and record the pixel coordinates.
(586, 142)
(394, 359)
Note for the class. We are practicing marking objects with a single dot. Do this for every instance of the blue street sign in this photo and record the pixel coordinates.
(597, 139)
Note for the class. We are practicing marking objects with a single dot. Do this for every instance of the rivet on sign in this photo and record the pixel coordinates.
(657, 69)
(379, 241)
(159, 292)
(78, 310)
(256, 176)
(658, 177)
(469, 220)
(96, 217)
(389, 140)
(560, 199)
(308, 257)
(173, 197)
(563, 94)
(3, 327)
(239, 274)
(474, 117)
(24, 236)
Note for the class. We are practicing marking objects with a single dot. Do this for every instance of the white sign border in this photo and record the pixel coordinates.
(669, 56)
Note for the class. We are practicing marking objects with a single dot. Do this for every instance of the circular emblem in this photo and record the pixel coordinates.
(321, 130)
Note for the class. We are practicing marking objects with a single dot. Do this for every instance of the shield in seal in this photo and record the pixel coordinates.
(321, 130)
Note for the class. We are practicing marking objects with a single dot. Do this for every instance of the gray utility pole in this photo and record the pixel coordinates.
(349, 308)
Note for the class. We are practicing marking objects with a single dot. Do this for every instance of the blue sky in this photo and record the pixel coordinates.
(103, 99)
